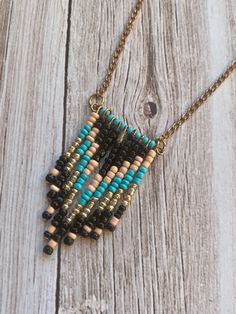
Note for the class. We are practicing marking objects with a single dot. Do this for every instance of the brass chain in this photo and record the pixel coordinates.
(162, 140)
(98, 99)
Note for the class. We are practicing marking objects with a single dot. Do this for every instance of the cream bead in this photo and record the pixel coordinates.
(98, 177)
(114, 169)
(95, 183)
(95, 115)
(134, 167)
(92, 119)
(90, 138)
(52, 244)
(91, 188)
(92, 134)
(51, 229)
(95, 145)
(92, 149)
(96, 130)
(138, 158)
(54, 188)
(120, 175)
(55, 172)
(50, 210)
(94, 163)
(126, 164)
(87, 228)
(123, 170)
(90, 167)
(98, 231)
(146, 164)
(87, 171)
(72, 235)
(89, 123)
(152, 153)
(107, 179)
(114, 221)
(149, 158)
(137, 163)
(89, 153)
(111, 174)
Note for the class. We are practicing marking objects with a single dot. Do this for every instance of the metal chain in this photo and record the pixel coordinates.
(162, 140)
(98, 97)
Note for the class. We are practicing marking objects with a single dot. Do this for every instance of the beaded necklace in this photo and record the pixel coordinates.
(126, 155)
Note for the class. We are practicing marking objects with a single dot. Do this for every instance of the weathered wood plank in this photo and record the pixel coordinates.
(31, 137)
(174, 250)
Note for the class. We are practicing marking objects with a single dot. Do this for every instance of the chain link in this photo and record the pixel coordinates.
(115, 58)
(198, 103)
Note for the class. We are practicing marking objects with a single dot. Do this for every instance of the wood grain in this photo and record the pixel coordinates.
(174, 250)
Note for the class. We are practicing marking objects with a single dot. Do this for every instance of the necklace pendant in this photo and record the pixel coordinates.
(124, 156)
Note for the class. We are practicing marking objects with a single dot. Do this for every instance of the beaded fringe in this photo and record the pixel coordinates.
(127, 155)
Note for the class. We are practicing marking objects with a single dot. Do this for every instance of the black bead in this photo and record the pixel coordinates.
(48, 250)
(122, 208)
(57, 183)
(94, 236)
(68, 240)
(61, 231)
(130, 159)
(65, 173)
(107, 214)
(98, 124)
(74, 230)
(46, 215)
(63, 212)
(105, 219)
(58, 167)
(60, 163)
(84, 233)
(102, 152)
(47, 234)
(59, 200)
(90, 224)
(56, 237)
(64, 193)
(78, 225)
(58, 217)
(55, 204)
(100, 225)
(55, 223)
(118, 214)
(102, 172)
(96, 157)
(50, 178)
(51, 194)
(63, 159)
(110, 227)
(62, 178)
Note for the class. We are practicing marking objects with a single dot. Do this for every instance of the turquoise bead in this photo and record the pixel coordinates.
(110, 117)
(130, 130)
(102, 110)
(124, 186)
(126, 182)
(84, 131)
(112, 189)
(86, 157)
(83, 162)
(145, 140)
(116, 121)
(84, 176)
(128, 178)
(140, 175)
(123, 125)
(89, 193)
(138, 135)
(131, 172)
(117, 180)
(104, 184)
(115, 185)
(80, 181)
(81, 135)
(80, 151)
(101, 189)
(78, 186)
(79, 168)
(137, 180)
(152, 144)
(87, 127)
(83, 147)
(143, 169)
(85, 197)
(87, 143)
(82, 201)
(97, 194)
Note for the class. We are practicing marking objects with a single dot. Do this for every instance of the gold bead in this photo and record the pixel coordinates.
(67, 154)
(110, 208)
(65, 206)
(76, 156)
(74, 191)
(117, 196)
(73, 161)
(102, 204)
(83, 215)
(70, 165)
(113, 202)
(68, 202)
(66, 187)
(73, 178)
(71, 149)
(67, 168)
(125, 203)
(87, 210)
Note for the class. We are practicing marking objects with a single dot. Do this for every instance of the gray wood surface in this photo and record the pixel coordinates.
(174, 251)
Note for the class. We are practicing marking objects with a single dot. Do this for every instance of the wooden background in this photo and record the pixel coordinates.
(174, 251)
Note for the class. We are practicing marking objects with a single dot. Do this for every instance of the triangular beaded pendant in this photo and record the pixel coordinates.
(74, 210)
